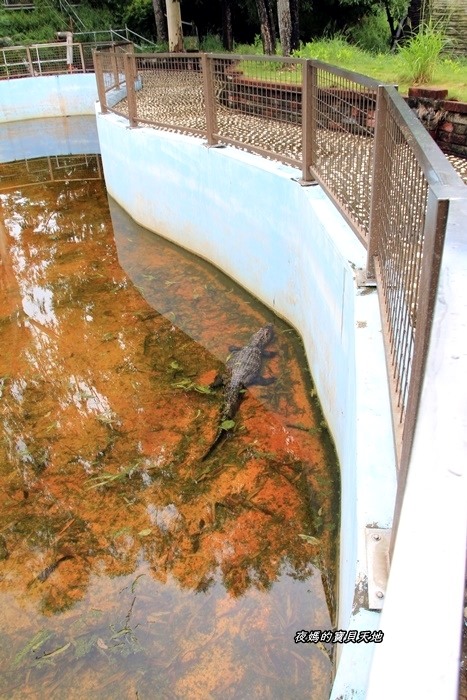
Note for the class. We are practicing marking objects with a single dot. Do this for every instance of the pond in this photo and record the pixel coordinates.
(129, 566)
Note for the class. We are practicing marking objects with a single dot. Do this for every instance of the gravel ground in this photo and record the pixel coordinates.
(344, 159)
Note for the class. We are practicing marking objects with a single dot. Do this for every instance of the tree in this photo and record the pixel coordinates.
(161, 25)
(267, 26)
(227, 28)
(410, 22)
(287, 15)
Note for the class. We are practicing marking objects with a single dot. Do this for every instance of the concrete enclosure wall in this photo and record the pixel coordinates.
(47, 96)
(288, 246)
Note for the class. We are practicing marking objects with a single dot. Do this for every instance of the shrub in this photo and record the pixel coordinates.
(211, 43)
(421, 54)
(336, 50)
(372, 34)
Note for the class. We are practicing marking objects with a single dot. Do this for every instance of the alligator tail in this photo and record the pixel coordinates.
(220, 437)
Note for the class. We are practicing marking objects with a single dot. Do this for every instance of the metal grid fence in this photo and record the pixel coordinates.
(41, 59)
(343, 121)
(363, 145)
(408, 220)
(49, 169)
(54, 58)
(257, 104)
(175, 84)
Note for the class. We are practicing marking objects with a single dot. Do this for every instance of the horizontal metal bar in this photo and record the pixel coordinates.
(172, 127)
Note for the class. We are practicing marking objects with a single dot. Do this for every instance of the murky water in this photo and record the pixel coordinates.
(129, 567)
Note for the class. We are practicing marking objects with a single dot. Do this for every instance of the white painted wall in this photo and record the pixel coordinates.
(47, 96)
(289, 247)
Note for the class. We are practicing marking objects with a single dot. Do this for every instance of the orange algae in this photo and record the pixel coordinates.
(173, 574)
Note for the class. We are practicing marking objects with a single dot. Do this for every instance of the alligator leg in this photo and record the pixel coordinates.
(264, 381)
(217, 381)
(268, 353)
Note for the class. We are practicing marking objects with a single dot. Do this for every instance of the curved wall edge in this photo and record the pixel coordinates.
(289, 247)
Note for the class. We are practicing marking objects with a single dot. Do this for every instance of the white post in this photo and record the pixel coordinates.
(174, 26)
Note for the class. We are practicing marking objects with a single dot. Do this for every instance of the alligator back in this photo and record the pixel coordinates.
(243, 368)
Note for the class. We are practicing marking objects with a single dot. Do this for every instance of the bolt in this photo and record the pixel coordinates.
(377, 537)
(379, 594)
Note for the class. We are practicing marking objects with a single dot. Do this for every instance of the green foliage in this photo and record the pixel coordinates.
(255, 49)
(139, 17)
(422, 52)
(211, 43)
(372, 33)
(42, 23)
(336, 50)
(33, 26)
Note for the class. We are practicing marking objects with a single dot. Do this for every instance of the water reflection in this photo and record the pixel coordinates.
(129, 568)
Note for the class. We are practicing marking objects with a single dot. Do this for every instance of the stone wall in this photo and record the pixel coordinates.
(452, 132)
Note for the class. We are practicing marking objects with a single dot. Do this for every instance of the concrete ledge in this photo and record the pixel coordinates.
(47, 96)
(290, 248)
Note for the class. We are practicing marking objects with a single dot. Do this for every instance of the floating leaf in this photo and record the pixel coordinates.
(175, 365)
(56, 652)
(227, 424)
(188, 385)
(33, 645)
(145, 533)
(202, 389)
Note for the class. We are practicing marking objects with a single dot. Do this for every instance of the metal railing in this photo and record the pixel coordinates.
(49, 169)
(54, 58)
(357, 138)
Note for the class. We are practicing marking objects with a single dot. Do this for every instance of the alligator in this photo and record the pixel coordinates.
(243, 368)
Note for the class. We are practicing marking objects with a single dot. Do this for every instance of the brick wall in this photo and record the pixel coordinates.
(451, 132)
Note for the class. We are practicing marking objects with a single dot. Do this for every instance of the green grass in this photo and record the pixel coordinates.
(392, 68)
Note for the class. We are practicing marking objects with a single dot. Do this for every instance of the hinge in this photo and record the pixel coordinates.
(363, 280)
(377, 561)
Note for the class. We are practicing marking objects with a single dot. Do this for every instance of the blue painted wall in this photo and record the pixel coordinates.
(47, 96)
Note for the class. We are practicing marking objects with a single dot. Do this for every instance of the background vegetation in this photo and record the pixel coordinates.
(389, 40)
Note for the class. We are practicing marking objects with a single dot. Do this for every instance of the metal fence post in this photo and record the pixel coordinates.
(377, 187)
(309, 85)
(209, 100)
(81, 55)
(30, 66)
(115, 67)
(97, 60)
(128, 63)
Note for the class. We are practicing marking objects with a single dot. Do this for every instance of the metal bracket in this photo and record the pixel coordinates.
(363, 280)
(377, 561)
(305, 183)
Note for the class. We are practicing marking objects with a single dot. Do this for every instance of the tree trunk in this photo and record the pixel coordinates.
(161, 25)
(174, 25)
(414, 15)
(410, 24)
(285, 26)
(295, 35)
(268, 32)
(227, 30)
